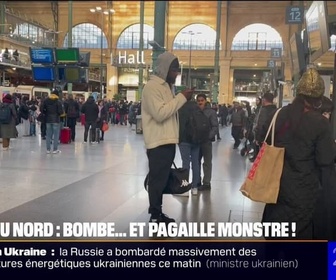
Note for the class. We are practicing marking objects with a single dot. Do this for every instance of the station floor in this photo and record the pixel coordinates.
(104, 183)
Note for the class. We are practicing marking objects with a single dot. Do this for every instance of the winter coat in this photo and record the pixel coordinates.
(159, 107)
(264, 115)
(184, 114)
(91, 110)
(71, 108)
(9, 130)
(308, 149)
(212, 116)
(103, 117)
(52, 108)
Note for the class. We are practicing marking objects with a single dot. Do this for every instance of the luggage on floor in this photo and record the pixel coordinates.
(65, 136)
(82, 119)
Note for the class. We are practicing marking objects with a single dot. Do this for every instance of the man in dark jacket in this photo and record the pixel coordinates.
(52, 109)
(206, 147)
(90, 110)
(71, 108)
(189, 151)
(266, 112)
(238, 120)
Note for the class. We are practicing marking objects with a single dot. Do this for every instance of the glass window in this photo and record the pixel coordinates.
(87, 36)
(130, 37)
(260, 37)
(195, 37)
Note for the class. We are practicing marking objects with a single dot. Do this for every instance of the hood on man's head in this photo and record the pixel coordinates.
(55, 91)
(311, 84)
(164, 62)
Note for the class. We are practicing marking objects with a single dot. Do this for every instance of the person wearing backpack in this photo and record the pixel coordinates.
(206, 147)
(190, 139)
(71, 108)
(8, 126)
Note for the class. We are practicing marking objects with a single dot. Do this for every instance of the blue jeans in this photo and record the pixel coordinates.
(190, 154)
(32, 129)
(53, 134)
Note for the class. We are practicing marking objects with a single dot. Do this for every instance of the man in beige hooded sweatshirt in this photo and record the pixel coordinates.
(159, 111)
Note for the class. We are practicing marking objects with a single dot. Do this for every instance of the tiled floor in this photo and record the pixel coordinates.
(104, 183)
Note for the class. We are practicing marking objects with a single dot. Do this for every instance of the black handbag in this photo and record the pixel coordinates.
(41, 117)
(178, 181)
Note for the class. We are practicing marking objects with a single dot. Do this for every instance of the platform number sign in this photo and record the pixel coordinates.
(276, 52)
(294, 15)
(271, 63)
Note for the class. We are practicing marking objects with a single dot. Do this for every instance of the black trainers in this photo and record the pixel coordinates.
(162, 218)
(205, 187)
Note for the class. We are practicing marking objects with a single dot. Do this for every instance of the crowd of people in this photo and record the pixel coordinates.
(56, 112)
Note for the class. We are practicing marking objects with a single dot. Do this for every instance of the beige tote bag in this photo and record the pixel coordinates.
(263, 180)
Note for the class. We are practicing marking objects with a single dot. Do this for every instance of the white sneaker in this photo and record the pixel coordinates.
(194, 191)
(186, 194)
(56, 152)
(5, 148)
(48, 152)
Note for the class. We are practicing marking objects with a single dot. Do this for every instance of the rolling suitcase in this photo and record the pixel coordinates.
(65, 137)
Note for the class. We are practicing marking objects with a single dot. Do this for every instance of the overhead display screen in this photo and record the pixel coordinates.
(69, 74)
(297, 54)
(42, 55)
(43, 73)
(317, 29)
(67, 56)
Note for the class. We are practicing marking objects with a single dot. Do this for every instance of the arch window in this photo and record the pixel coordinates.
(256, 37)
(32, 33)
(195, 37)
(87, 36)
(130, 37)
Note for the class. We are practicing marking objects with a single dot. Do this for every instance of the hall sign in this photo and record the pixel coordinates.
(124, 58)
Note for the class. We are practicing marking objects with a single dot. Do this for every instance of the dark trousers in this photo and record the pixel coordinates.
(236, 133)
(160, 161)
(71, 123)
(43, 129)
(206, 154)
(93, 125)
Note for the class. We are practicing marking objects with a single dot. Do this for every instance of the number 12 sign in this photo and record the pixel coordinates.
(294, 15)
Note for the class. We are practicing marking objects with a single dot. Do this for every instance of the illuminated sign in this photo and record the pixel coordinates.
(124, 58)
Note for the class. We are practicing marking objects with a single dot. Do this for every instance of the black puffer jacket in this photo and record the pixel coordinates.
(308, 149)
(90, 109)
(52, 108)
(264, 115)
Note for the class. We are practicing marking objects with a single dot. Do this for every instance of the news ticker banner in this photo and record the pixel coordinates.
(34, 247)
(232, 259)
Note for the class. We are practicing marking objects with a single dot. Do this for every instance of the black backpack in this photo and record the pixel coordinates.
(72, 111)
(198, 127)
(5, 113)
